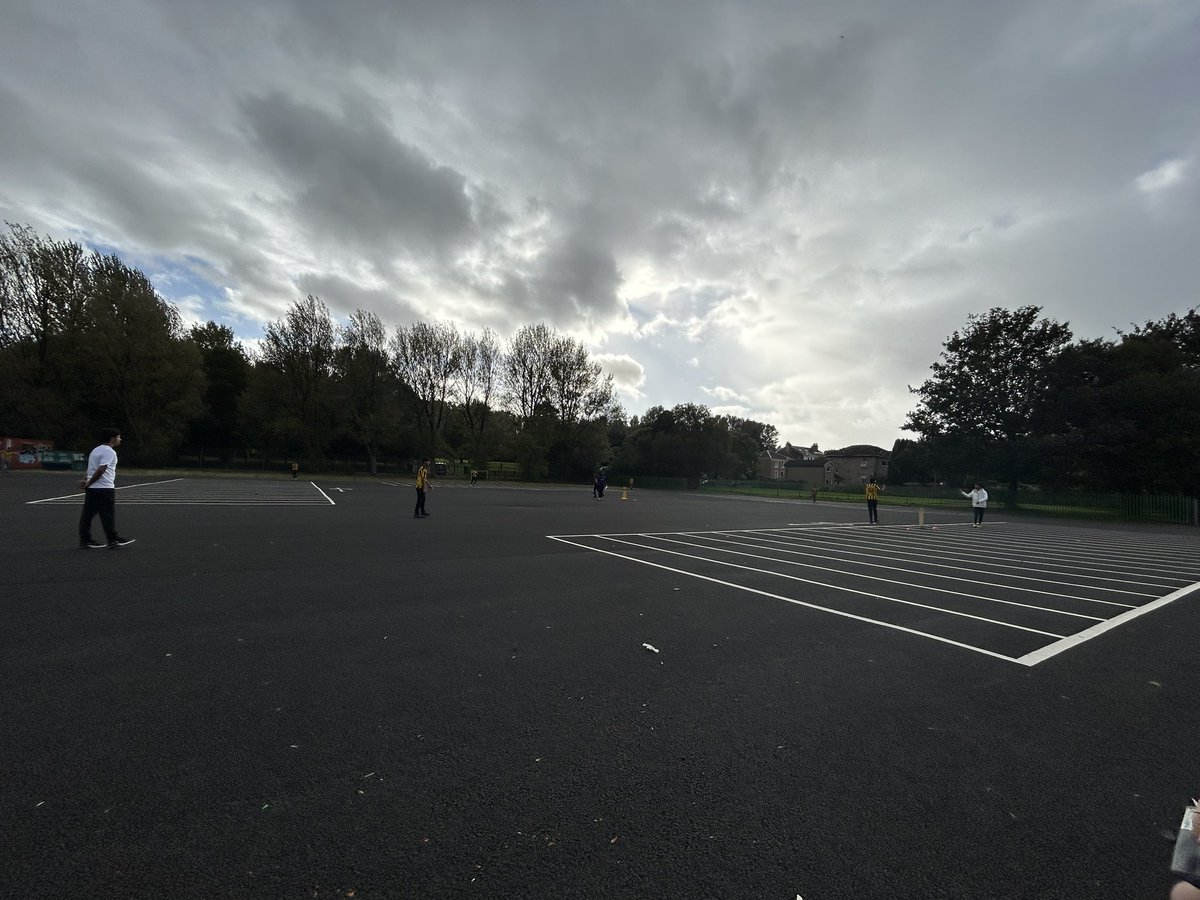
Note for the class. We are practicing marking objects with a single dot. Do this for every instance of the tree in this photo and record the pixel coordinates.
(912, 461)
(685, 441)
(989, 386)
(477, 385)
(1182, 331)
(557, 394)
(297, 354)
(144, 374)
(579, 390)
(227, 373)
(526, 372)
(45, 287)
(1116, 422)
(368, 384)
(428, 357)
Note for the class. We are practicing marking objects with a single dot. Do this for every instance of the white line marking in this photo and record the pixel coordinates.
(323, 494)
(903, 556)
(976, 558)
(277, 501)
(1041, 655)
(836, 612)
(79, 494)
(924, 587)
(888, 552)
(847, 590)
(1087, 556)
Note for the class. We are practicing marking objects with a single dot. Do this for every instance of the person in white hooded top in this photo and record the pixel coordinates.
(978, 498)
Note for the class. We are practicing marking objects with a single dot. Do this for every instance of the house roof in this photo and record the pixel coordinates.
(804, 464)
(861, 450)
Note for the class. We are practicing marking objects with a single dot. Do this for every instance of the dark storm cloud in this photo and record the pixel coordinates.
(579, 279)
(355, 182)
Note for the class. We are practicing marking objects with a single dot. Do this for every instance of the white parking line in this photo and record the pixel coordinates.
(977, 557)
(773, 547)
(790, 562)
(78, 495)
(974, 580)
(741, 587)
(1074, 640)
(209, 493)
(836, 587)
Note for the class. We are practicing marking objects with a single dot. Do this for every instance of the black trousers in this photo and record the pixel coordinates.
(979, 510)
(420, 507)
(872, 510)
(102, 502)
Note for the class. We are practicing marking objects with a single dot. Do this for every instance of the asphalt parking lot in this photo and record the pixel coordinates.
(289, 689)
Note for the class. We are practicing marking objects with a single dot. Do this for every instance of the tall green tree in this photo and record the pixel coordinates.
(912, 461)
(45, 287)
(526, 373)
(559, 396)
(295, 378)
(1116, 421)
(368, 384)
(227, 372)
(147, 378)
(476, 390)
(579, 390)
(428, 357)
(685, 441)
(988, 387)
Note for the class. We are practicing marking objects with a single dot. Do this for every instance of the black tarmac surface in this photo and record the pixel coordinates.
(272, 695)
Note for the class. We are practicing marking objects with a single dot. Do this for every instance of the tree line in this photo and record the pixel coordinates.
(85, 340)
(1014, 399)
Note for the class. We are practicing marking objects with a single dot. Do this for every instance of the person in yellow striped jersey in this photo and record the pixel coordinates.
(422, 486)
(873, 488)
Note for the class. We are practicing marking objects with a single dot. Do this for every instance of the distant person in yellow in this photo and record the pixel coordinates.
(422, 486)
(872, 491)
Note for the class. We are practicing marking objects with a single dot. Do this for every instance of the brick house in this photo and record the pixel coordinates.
(806, 471)
(770, 465)
(856, 464)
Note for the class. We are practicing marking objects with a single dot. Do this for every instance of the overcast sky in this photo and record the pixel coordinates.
(778, 209)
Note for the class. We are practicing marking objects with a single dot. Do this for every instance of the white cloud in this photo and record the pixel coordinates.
(1164, 176)
(724, 395)
(629, 375)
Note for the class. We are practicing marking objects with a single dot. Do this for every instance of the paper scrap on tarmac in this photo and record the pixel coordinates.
(651, 649)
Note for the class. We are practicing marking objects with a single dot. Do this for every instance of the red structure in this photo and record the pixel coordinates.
(24, 453)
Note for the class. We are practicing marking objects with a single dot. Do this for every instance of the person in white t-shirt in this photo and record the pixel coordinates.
(978, 498)
(100, 493)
